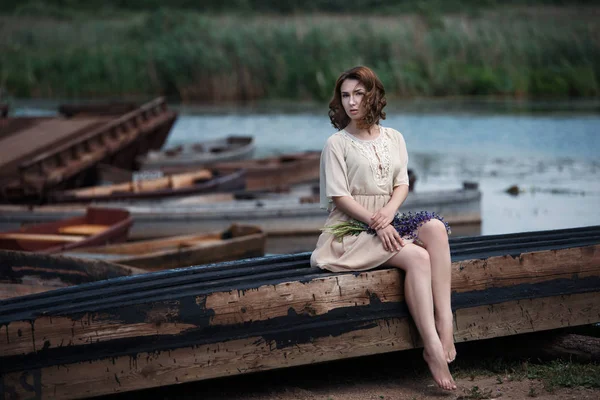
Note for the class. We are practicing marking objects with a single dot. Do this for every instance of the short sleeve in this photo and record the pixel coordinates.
(401, 177)
(333, 174)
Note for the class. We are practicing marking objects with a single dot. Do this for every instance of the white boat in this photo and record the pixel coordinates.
(199, 154)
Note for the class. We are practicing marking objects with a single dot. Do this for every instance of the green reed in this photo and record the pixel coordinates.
(197, 57)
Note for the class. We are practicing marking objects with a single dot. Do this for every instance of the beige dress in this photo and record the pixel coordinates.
(367, 170)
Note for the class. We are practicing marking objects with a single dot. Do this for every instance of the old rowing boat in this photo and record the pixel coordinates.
(98, 226)
(200, 181)
(276, 173)
(235, 243)
(176, 326)
(199, 154)
(23, 273)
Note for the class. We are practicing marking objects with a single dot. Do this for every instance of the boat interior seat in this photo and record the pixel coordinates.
(42, 237)
(83, 229)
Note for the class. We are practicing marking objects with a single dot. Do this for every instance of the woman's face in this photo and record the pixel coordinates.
(353, 93)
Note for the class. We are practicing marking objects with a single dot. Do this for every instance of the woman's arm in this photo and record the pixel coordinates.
(384, 217)
(351, 207)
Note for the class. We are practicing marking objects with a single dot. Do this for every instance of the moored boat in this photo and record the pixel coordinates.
(199, 154)
(276, 215)
(205, 322)
(276, 173)
(98, 226)
(236, 242)
(200, 181)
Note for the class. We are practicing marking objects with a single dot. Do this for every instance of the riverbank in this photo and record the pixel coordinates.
(515, 52)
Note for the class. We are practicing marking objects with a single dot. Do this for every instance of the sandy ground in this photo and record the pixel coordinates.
(480, 374)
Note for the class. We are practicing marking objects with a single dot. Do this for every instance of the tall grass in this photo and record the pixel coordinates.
(198, 57)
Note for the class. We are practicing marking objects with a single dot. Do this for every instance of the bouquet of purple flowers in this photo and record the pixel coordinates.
(406, 224)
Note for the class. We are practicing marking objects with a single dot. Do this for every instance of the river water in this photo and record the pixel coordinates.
(551, 155)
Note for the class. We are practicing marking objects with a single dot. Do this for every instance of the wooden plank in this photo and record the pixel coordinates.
(264, 352)
(42, 237)
(83, 229)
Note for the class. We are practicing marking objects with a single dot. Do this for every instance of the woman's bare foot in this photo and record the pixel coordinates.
(445, 329)
(434, 357)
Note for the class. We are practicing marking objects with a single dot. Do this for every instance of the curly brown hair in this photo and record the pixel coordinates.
(374, 99)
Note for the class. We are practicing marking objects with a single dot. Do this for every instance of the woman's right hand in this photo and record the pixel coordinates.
(390, 238)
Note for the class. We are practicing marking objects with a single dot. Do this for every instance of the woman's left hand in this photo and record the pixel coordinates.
(382, 218)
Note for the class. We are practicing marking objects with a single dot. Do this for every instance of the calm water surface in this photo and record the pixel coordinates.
(552, 156)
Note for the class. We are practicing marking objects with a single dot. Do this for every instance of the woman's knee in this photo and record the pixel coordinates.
(413, 258)
(434, 228)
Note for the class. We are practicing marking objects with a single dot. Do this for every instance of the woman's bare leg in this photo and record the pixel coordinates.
(435, 239)
(415, 262)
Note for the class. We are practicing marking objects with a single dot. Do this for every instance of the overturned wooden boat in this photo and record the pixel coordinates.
(23, 273)
(235, 243)
(200, 181)
(204, 322)
(98, 226)
(48, 153)
(230, 148)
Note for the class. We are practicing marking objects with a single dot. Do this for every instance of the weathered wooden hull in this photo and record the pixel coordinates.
(24, 273)
(231, 148)
(94, 139)
(283, 217)
(105, 226)
(236, 243)
(230, 182)
(233, 318)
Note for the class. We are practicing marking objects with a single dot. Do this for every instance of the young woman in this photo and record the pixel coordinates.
(364, 177)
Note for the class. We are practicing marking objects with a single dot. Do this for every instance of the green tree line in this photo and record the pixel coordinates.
(285, 6)
(195, 56)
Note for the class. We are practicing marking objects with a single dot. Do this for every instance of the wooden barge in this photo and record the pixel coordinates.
(203, 322)
(42, 154)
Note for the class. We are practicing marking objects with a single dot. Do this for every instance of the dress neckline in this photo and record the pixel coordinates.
(364, 140)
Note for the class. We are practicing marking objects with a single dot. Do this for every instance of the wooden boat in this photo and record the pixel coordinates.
(97, 227)
(276, 173)
(199, 154)
(277, 215)
(200, 181)
(42, 154)
(23, 273)
(176, 326)
(237, 242)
